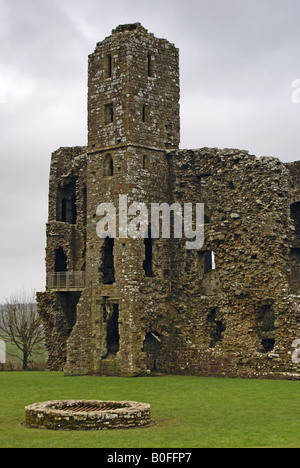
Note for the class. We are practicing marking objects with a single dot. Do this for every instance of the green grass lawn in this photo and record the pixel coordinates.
(190, 412)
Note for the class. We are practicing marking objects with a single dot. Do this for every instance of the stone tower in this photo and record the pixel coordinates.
(133, 116)
(118, 305)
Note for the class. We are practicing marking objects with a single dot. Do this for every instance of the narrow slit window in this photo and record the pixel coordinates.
(145, 162)
(113, 337)
(63, 210)
(109, 113)
(149, 61)
(144, 113)
(147, 264)
(108, 66)
(108, 269)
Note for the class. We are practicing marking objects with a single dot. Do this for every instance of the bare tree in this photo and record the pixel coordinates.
(21, 324)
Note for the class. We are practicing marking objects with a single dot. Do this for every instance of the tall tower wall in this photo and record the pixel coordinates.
(133, 95)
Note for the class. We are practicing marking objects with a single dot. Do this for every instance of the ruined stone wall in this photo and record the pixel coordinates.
(238, 319)
(58, 312)
(230, 307)
(67, 182)
(66, 234)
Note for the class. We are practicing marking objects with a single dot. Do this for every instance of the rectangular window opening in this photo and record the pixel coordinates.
(149, 65)
(108, 66)
(144, 113)
(109, 113)
(107, 269)
(206, 262)
(145, 162)
(113, 337)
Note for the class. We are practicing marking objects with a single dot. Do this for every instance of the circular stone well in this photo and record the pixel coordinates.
(87, 414)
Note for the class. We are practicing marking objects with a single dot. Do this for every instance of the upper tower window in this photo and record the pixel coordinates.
(108, 166)
(149, 62)
(144, 113)
(109, 113)
(145, 162)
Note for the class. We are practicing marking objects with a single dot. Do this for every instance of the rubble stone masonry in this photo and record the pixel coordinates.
(124, 306)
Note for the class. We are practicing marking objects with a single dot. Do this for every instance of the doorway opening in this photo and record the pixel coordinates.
(113, 337)
(152, 347)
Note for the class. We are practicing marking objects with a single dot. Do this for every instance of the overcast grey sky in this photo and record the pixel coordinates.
(238, 61)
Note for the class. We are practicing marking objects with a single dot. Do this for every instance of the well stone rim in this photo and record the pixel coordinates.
(87, 414)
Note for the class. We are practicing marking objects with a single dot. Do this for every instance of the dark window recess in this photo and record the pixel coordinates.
(60, 260)
(113, 336)
(149, 63)
(108, 270)
(268, 344)
(66, 210)
(147, 264)
(145, 162)
(217, 328)
(266, 319)
(108, 166)
(295, 215)
(206, 262)
(109, 113)
(108, 66)
(294, 274)
(144, 113)
(68, 302)
(84, 198)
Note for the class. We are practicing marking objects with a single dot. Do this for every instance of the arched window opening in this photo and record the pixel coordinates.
(108, 270)
(109, 113)
(66, 210)
(108, 166)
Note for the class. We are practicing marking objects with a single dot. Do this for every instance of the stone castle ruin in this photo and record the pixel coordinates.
(124, 306)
